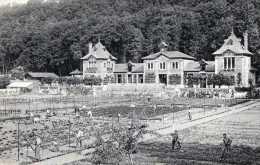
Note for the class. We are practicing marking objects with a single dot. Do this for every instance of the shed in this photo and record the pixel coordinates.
(25, 86)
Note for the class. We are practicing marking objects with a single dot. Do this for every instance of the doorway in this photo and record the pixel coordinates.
(163, 78)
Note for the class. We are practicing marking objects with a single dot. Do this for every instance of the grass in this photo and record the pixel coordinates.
(197, 153)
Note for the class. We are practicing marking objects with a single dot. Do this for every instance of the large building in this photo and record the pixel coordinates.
(234, 59)
(98, 61)
(173, 67)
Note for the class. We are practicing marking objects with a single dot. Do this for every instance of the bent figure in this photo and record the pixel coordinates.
(176, 141)
(227, 146)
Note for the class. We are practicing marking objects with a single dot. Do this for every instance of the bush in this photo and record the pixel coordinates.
(242, 89)
(92, 80)
(4, 81)
(73, 81)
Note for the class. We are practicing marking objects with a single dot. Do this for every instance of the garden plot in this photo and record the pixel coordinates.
(202, 143)
(102, 108)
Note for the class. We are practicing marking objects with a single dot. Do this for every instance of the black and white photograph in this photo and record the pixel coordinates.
(129, 82)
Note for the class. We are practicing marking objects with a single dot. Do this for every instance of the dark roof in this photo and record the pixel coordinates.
(42, 75)
(253, 68)
(170, 55)
(123, 68)
(194, 66)
(99, 51)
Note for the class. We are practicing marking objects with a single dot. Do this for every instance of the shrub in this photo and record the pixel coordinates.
(242, 89)
(4, 81)
(92, 80)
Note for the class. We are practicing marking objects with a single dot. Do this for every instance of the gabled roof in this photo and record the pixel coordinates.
(99, 51)
(21, 84)
(123, 68)
(42, 75)
(194, 66)
(76, 72)
(170, 55)
(232, 43)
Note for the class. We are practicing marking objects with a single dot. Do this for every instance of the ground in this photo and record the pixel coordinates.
(200, 143)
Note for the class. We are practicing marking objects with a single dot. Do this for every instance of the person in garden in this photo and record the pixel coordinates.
(175, 141)
(79, 136)
(189, 115)
(226, 146)
(118, 117)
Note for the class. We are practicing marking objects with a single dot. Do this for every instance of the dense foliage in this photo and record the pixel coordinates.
(53, 36)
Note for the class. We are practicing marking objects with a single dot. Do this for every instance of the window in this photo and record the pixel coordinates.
(150, 66)
(175, 65)
(92, 63)
(230, 42)
(229, 63)
(162, 65)
(105, 65)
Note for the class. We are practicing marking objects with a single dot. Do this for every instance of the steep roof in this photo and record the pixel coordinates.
(42, 75)
(99, 51)
(194, 66)
(232, 43)
(123, 68)
(170, 55)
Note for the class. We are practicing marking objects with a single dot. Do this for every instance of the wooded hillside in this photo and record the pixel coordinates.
(53, 36)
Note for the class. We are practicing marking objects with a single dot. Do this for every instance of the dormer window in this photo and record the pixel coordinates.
(230, 42)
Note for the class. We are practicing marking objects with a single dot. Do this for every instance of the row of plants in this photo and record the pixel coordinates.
(202, 93)
(213, 79)
(89, 80)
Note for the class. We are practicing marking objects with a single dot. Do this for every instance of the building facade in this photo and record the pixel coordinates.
(174, 67)
(234, 59)
(98, 62)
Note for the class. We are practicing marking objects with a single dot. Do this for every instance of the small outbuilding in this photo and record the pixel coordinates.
(76, 73)
(23, 86)
(40, 76)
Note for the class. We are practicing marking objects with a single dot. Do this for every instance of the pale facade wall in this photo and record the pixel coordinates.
(169, 70)
(242, 65)
(100, 69)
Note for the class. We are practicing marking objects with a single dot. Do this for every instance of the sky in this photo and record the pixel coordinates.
(5, 2)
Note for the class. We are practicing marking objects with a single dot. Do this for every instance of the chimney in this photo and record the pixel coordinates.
(246, 40)
(90, 47)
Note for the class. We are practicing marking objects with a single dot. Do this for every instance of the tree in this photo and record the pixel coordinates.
(53, 36)
(122, 142)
